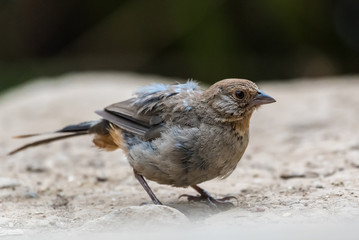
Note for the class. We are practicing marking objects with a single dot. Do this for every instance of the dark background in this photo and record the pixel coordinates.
(207, 40)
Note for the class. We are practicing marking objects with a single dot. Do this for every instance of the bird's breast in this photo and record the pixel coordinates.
(219, 150)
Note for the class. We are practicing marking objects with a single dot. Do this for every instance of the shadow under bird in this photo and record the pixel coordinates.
(178, 134)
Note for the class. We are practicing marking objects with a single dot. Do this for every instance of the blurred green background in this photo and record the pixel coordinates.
(205, 40)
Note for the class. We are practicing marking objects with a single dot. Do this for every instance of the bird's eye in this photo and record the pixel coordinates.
(239, 94)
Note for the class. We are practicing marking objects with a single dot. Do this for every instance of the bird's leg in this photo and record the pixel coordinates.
(204, 195)
(147, 188)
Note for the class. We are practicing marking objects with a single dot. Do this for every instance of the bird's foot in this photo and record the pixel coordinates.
(221, 203)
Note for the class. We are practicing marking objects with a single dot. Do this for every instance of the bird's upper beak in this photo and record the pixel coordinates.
(262, 98)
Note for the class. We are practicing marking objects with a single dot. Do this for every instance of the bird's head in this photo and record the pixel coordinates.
(234, 99)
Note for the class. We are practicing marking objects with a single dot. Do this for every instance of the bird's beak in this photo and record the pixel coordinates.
(262, 98)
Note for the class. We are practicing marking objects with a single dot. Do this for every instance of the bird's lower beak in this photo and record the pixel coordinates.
(262, 98)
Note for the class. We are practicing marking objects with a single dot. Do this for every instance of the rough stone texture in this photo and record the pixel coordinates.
(147, 216)
(301, 166)
(8, 183)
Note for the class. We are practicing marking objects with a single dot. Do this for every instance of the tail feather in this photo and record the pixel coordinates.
(44, 141)
(99, 127)
(84, 126)
(29, 135)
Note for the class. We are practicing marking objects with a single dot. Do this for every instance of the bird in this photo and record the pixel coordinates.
(176, 134)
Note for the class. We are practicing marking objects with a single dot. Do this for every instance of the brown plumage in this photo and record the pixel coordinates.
(178, 134)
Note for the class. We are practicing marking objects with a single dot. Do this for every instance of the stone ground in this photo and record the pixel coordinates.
(298, 178)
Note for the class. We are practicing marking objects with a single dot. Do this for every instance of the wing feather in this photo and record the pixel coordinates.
(126, 109)
(143, 115)
(124, 123)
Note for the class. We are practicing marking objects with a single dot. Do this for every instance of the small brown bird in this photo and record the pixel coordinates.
(177, 134)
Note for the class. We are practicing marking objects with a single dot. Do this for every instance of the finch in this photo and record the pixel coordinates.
(177, 135)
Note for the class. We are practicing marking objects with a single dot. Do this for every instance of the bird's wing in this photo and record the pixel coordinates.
(142, 115)
(129, 111)
(123, 123)
(154, 98)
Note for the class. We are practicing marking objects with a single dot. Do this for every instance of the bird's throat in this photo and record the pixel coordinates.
(242, 126)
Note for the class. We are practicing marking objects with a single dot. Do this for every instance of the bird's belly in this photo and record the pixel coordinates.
(221, 165)
(173, 162)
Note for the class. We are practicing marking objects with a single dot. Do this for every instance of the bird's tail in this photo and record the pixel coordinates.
(99, 127)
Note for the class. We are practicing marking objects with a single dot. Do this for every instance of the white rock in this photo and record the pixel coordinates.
(286, 214)
(10, 232)
(8, 183)
(144, 216)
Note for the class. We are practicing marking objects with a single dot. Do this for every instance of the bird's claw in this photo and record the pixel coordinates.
(221, 203)
(192, 198)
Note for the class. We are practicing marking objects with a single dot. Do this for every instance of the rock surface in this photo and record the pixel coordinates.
(8, 183)
(301, 165)
(147, 216)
